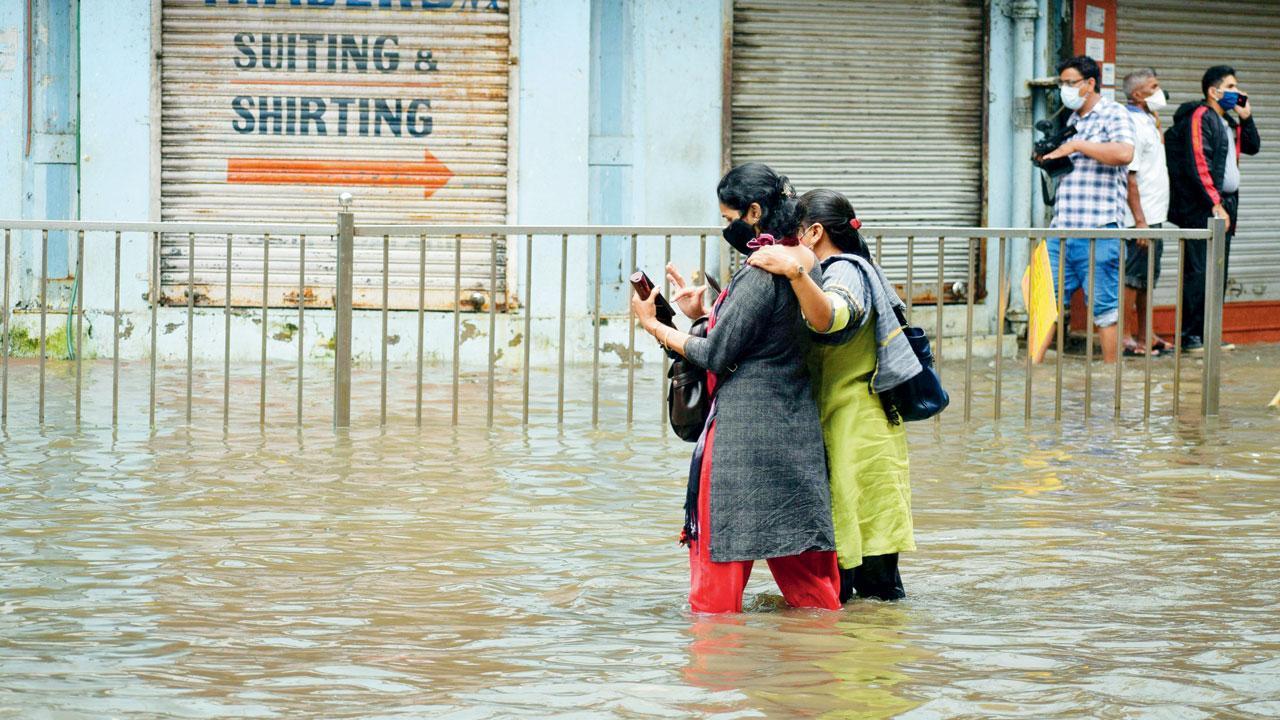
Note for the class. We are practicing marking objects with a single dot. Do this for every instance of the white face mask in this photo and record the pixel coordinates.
(1157, 100)
(1071, 97)
(808, 241)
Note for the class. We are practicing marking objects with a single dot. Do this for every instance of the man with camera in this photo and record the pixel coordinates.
(1203, 150)
(1093, 194)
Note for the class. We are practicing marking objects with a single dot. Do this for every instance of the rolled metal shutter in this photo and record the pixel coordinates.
(270, 110)
(880, 100)
(1181, 40)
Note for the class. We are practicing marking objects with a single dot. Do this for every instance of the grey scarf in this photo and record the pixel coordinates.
(896, 362)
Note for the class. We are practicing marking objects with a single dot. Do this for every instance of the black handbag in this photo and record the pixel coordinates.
(688, 401)
(923, 396)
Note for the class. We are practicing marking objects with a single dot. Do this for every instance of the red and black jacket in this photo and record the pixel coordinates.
(1196, 151)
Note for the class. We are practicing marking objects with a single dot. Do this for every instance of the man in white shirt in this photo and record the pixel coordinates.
(1148, 203)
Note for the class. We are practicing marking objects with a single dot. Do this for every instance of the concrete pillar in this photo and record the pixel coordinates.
(1024, 14)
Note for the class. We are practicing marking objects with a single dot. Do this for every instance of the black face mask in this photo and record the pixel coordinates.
(738, 234)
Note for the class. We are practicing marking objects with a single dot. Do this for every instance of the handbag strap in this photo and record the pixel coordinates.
(902, 317)
(700, 328)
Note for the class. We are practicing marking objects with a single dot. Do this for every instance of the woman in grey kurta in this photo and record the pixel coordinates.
(759, 485)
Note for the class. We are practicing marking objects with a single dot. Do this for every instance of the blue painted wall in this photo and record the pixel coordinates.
(655, 119)
(40, 176)
(115, 137)
(554, 56)
(619, 122)
(12, 104)
(679, 71)
(612, 146)
(51, 173)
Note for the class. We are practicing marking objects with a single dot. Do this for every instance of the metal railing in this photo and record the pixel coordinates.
(527, 233)
(345, 232)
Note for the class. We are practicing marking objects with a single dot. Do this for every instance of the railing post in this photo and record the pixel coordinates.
(342, 315)
(1214, 282)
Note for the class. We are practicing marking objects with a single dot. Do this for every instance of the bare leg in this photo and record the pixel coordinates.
(1141, 303)
(1128, 302)
(1108, 336)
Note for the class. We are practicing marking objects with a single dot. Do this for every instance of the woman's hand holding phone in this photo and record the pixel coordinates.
(646, 309)
(644, 290)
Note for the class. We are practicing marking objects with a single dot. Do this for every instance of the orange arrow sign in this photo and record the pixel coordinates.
(431, 174)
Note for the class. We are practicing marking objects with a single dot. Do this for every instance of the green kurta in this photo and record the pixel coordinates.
(866, 455)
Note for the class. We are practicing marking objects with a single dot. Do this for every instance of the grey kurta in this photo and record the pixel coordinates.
(769, 491)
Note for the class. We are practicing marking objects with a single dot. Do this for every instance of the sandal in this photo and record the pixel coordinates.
(1133, 348)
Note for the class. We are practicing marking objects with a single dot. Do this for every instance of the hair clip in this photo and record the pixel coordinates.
(855, 223)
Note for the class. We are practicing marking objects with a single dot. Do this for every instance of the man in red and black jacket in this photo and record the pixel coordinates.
(1203, 150)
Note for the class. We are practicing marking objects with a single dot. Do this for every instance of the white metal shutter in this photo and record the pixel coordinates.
(878, 99)
(1181, 40)
(225, 156)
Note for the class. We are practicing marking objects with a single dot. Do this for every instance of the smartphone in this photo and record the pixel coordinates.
(643, 286)
(710, 280)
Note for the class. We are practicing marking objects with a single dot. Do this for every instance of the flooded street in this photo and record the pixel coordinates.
(1082, 570)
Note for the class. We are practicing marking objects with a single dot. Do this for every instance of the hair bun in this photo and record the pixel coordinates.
(757, 183)
(784, 187)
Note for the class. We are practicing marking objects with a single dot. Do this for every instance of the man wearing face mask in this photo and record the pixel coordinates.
(1148, 200)
(1093, 194)
(1203, 149)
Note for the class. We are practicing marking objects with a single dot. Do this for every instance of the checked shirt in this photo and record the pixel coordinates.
(1093, 194)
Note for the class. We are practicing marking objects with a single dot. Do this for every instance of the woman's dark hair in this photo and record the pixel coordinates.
(1214, 76)
(1086, 66)
(758, 183)
(835, 213)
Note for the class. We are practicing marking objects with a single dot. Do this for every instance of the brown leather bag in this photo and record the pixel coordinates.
(688, 401)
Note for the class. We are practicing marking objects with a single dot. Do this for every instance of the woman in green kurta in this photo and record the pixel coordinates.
(866, 453)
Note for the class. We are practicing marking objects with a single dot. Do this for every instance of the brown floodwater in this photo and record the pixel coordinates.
(1088, 569)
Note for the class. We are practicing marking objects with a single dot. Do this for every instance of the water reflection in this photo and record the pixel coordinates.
(803, 663)
(1091, 569)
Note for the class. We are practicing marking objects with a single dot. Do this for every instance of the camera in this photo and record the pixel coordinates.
(1054, 136)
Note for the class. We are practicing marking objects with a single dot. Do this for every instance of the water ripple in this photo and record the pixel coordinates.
(1091, 569)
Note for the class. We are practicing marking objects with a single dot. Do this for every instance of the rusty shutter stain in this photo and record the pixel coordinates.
(269, 111)
(879, 100)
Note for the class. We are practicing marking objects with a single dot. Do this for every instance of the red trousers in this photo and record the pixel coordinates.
(808, 580)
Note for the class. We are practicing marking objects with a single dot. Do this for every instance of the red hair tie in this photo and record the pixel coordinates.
(855, 223)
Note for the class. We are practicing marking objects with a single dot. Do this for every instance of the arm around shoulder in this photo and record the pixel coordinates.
(850, 298)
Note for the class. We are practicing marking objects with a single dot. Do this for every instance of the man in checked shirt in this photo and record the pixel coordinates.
(1095, 193)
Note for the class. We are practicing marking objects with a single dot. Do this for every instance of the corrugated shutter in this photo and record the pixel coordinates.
(880, 100)
(1181, 40)
(270, 110)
